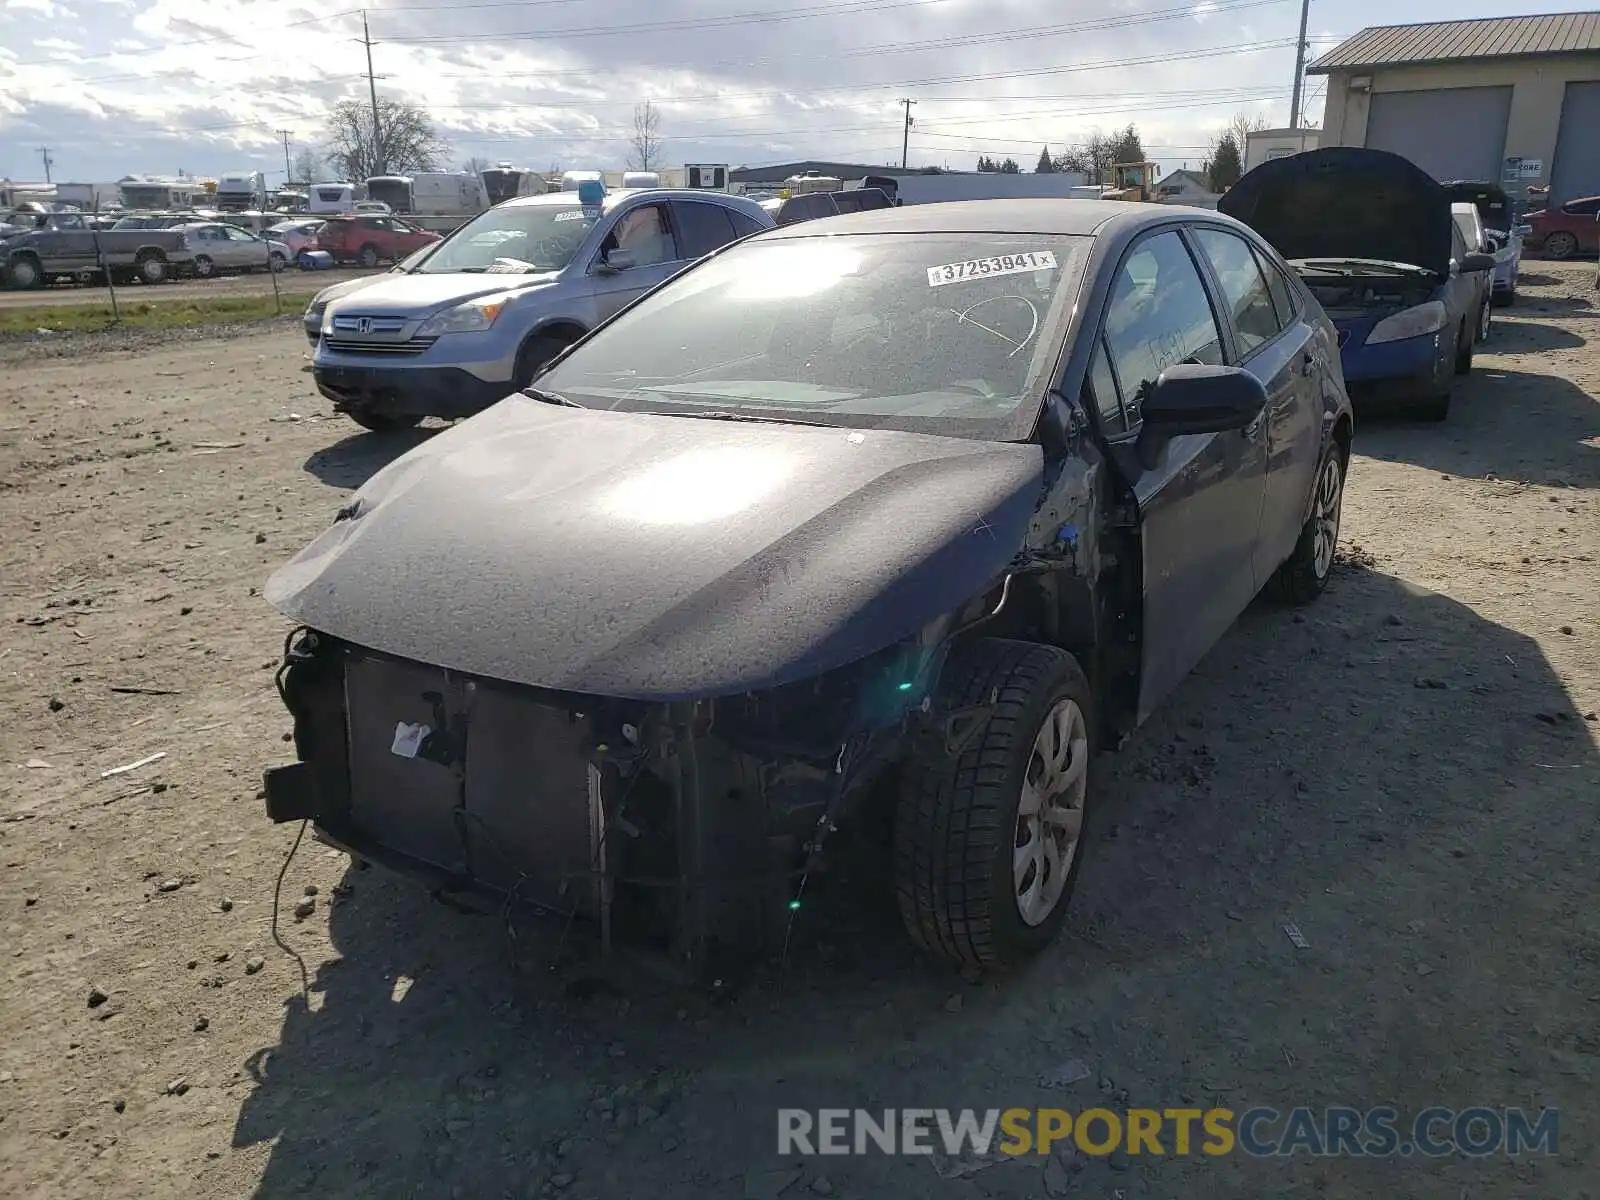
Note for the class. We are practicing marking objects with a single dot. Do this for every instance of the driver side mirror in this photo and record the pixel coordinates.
(1477, 262)
(1188, 398)
(617, 260)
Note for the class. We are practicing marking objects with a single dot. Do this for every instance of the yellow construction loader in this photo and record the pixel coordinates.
(1133, 181)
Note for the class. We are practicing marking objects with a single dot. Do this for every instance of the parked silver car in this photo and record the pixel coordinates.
(473, 319)
(221, 247)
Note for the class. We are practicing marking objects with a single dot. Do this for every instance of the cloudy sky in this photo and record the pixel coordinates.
(114, 87)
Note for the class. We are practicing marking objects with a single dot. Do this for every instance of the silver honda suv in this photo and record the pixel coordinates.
(473, 319)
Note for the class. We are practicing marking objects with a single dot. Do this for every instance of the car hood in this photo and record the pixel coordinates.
(654, 557)
(1346, 202)
(422, 294)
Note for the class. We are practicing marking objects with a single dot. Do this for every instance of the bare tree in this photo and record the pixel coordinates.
(646, 141)
(307, 165)
(1096, 156)
(476, 166)
(1242, 124)
(405, 140)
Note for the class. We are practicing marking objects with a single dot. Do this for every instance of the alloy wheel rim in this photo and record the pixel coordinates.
(1484, 318)
(1050, 814)
(1325, 515)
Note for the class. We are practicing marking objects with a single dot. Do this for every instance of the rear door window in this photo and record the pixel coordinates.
(1159, 314)
(1243, 286)
(702, 227)
(744, 223)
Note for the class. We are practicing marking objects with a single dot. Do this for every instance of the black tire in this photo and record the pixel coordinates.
(1464, 347)
(204, 268)
(24, 273)
(1305, 573)
(152, 268)
(276, 262)
(1434, 406)
(956, 823)
(1560, 245)
(367, 256)
(384, 422)
(535, 352)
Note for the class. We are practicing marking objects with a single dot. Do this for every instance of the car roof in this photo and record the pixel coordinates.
(1049, 216)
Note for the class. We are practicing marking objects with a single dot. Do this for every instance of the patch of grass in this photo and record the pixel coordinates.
(150, 314)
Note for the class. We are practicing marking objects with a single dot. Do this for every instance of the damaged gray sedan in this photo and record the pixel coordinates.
(916, 506)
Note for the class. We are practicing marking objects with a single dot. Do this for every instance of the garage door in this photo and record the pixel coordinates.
(1451, 133)
(1576, 171)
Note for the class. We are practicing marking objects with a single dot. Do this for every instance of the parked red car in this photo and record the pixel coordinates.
(1568, 231)
(372, 239)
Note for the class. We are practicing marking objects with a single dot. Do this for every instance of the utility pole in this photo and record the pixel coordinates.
(288, 171)
(1299, 67)
(372, 90)
(44, 153)
(905, 138)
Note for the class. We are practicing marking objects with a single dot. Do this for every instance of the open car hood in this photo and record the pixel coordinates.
(656, 557)
(1346, 202)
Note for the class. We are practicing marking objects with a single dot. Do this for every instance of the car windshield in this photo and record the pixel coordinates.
(515, 238)
(937, 333)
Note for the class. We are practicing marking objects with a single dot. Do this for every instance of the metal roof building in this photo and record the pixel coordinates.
(1515, 99)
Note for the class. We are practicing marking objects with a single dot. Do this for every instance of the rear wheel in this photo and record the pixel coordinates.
(1561, 245)
(151, 267)
(367, 256)
(988, 836)
(384, 422)
(1485, 319)
(276, 262)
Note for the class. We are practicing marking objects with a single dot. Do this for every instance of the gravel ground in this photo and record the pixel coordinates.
(1406, 771)
(259, 284)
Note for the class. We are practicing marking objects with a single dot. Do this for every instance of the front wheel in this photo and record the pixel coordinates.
(368, 257)
(204, 268)
(1560, 245)
(24, 273)
(1464, 347)
(988, 834)
(276, 262)
(384, 422)
(1304, 574)
(1485, 318)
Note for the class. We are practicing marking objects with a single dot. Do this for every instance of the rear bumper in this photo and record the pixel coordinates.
(412, 391)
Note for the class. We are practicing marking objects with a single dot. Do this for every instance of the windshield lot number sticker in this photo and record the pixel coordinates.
(998, 264)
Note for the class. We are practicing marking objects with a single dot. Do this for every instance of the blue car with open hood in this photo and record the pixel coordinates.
(1371, 236)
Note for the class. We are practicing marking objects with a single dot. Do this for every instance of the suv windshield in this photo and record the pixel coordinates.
(938, 333)
(515, 238)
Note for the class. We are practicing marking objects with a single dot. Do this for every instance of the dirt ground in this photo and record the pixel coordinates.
(255, 284)
(1407, 771)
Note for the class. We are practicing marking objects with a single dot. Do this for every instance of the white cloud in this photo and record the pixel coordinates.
(151, 85)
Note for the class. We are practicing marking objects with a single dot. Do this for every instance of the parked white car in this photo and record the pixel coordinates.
(219, 247)
(296, 235)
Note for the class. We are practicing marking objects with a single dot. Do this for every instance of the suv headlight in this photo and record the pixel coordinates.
(471, 317)
(1409, 323)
